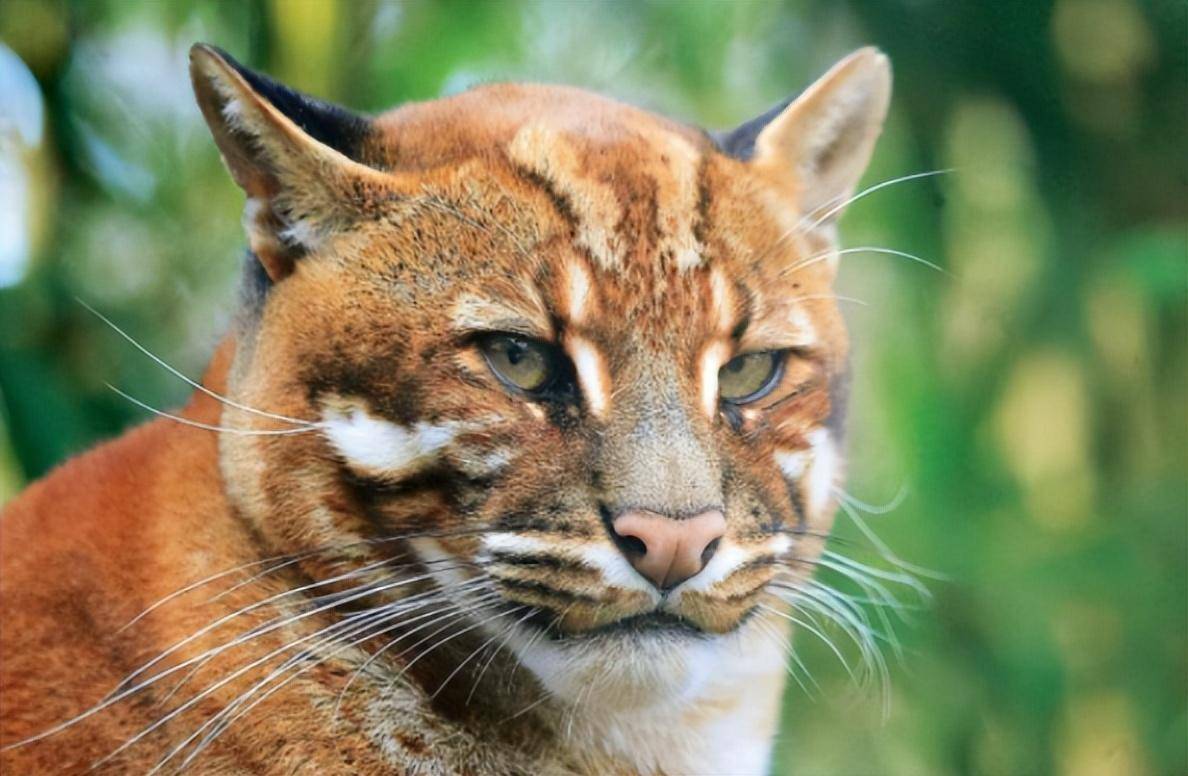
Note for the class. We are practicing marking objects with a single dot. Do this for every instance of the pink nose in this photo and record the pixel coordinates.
(667, 550)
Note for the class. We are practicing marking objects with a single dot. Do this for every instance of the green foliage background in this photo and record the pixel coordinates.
(1030, 403)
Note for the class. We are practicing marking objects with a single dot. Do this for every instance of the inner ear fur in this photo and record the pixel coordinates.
(822, 141)
(291, 154)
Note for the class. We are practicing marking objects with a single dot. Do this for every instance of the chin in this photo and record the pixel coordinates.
(635, 664)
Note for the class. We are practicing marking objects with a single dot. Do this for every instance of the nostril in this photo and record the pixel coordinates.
(709, 551)
(632, 545)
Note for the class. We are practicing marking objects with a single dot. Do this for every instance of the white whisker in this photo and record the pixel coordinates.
(837, 208)
(193, 383)
(208, 426)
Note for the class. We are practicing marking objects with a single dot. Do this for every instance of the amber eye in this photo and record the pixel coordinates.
(749, 377)
(522, 363)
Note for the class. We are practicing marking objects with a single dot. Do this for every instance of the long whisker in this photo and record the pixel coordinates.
(812, 220)
(824, 639)
(874, 509)
(224, 719)
(117, 697)
(826, 255)
(289, 559)
(469, 606)
(251, 633)
(834, 297)
(495, 653)
(210, 427)
(346, 626)
(192, 383)
(222, 682)
(785, 645)
(484, 645)
(837, 208)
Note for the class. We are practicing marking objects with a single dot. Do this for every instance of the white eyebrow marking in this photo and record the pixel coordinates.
(720, 298)
(711, 361)
(591, 373)
(577, 291)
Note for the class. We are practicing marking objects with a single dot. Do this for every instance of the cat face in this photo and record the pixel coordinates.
(583, 363)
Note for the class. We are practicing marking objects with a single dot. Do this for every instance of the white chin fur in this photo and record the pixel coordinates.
(621, 671)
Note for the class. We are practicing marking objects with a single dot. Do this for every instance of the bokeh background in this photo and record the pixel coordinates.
(1022, 415)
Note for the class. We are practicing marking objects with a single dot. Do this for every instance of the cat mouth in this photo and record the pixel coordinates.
(656, 622)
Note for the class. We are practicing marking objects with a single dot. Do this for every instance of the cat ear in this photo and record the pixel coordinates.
(295, 157)
(823, 138)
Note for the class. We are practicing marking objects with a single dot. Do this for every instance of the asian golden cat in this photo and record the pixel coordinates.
(518, 457)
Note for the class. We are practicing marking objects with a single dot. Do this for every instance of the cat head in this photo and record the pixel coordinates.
(583, 363)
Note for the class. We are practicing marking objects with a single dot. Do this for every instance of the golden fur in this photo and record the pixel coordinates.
(642, 249)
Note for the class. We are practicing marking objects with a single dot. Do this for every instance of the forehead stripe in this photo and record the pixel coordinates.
(591, 206)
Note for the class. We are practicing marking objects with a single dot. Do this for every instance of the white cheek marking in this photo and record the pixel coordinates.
(591, 375)
(726, 561)
(607, 560)
(722, 565)
(382, 447)
(711, 361)
(578, 288)
(478, 464)
(792, 463)
(302, 233)
(513, 543)
(823, 471)
(615, 569)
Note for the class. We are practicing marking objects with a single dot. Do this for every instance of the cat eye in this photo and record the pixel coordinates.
(750, 376)
(524, 364)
